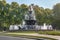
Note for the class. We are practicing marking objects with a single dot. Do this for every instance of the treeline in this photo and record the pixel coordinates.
(13, 13)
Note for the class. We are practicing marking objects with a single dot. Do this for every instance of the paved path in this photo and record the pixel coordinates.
(13, 38)
(36, 34)
(43, 35)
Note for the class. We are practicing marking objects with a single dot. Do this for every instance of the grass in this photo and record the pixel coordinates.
(50, 32)
(24, 36)
(23, 31)
(40, 32)
(20, 34)
(33, 37)
(28, 36)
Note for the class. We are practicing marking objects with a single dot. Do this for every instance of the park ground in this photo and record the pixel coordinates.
(33, 34)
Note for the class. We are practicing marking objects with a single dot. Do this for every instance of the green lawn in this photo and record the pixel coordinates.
(20, 34)
(40, 32)
(50, 32)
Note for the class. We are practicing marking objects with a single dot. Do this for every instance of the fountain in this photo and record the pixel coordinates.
(30, 20)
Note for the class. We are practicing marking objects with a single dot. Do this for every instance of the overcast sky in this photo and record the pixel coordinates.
(41, 3)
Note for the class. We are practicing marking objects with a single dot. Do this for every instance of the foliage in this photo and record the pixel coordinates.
(13, 13)
(56, 15)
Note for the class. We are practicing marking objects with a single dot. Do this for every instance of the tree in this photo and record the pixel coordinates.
(14, 5)
(48, 16)
(56, 12)
(43, 15)
(23, 10)
(11, 14)
(2, 13)
(39, 11)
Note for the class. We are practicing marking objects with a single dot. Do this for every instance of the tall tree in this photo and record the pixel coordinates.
(56, 12)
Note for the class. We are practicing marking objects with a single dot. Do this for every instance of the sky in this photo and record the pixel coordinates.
(40, 3)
